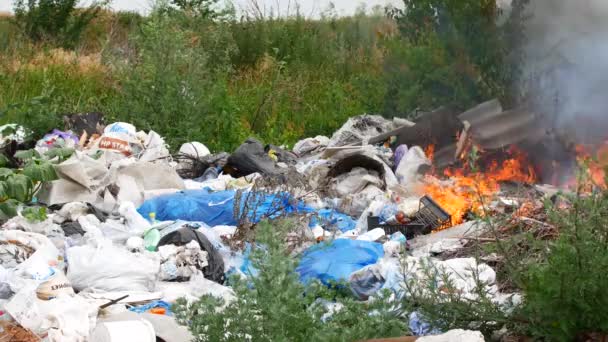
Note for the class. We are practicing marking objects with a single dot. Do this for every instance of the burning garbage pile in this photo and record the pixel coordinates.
(125, 228)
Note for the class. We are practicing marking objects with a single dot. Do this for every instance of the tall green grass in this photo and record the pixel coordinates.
(193, 79)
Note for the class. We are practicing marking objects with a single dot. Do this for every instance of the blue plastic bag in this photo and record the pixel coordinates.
(215, 208)
(337, 260)
(330, 218)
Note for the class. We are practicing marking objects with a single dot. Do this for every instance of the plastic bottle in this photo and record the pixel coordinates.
(151, 239)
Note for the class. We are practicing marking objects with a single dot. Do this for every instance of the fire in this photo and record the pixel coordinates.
(465, 191)
(594, 164)
(429, 151)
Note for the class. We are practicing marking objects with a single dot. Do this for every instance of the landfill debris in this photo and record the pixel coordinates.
(181, 262)
(251, 157)
(335, 261)
(194, 149)
(123, 331)
(57, 139)
(129, 229)
(110, 268)
(311, 145)
(56, 285)
(359, 129)
(14, 332)
(191, 251)
(12, 132)
(408, 169)
(84, 123)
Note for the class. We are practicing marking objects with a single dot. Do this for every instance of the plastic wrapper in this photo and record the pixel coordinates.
(110, 268)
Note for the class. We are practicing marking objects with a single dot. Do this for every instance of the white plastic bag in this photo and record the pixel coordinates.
(39, 265)
(110, 268)
(46, 227)
(407, 170)
(67, 318)
(194, 149)
(135, 222)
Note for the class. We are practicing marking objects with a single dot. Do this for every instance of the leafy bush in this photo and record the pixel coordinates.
(275, 306)
(564, 294)
(58, 21)
(446, 307)
(19, 186)
(172, 86)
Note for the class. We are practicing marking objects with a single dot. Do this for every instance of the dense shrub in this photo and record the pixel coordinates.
(564, 294)
(174, 87)
(275, 306)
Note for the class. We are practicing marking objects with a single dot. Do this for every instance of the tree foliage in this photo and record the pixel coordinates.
(456, 52)
(59, 21)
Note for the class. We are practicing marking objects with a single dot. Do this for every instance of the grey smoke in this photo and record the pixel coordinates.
(568, 46)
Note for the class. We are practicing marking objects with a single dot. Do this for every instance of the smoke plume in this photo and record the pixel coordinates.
(567, 52)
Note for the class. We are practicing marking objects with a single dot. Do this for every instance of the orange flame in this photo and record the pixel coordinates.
(595, 164)
(429, 151)
(465, 191)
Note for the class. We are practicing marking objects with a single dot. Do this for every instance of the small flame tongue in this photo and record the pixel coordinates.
(465, 190)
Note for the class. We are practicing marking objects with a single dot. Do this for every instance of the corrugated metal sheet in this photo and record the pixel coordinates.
(491, 128)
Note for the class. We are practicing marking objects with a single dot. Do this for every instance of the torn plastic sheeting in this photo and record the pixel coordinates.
(195, 288)
(5, 288)
(110, 268)
(40, 254)
(366, 282)
(367, 157)
(215, 264)
(463, 273)
(337, 260)
(155, 147)
(399, 153)
(359, 129)
(84, 179)
(56, 139)
(65, 318)
(356, 160)
(310, 144)
(355, 181)
(420, 327)
(153, 305)
(214, 209)
(329, 218)
(408, 169)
